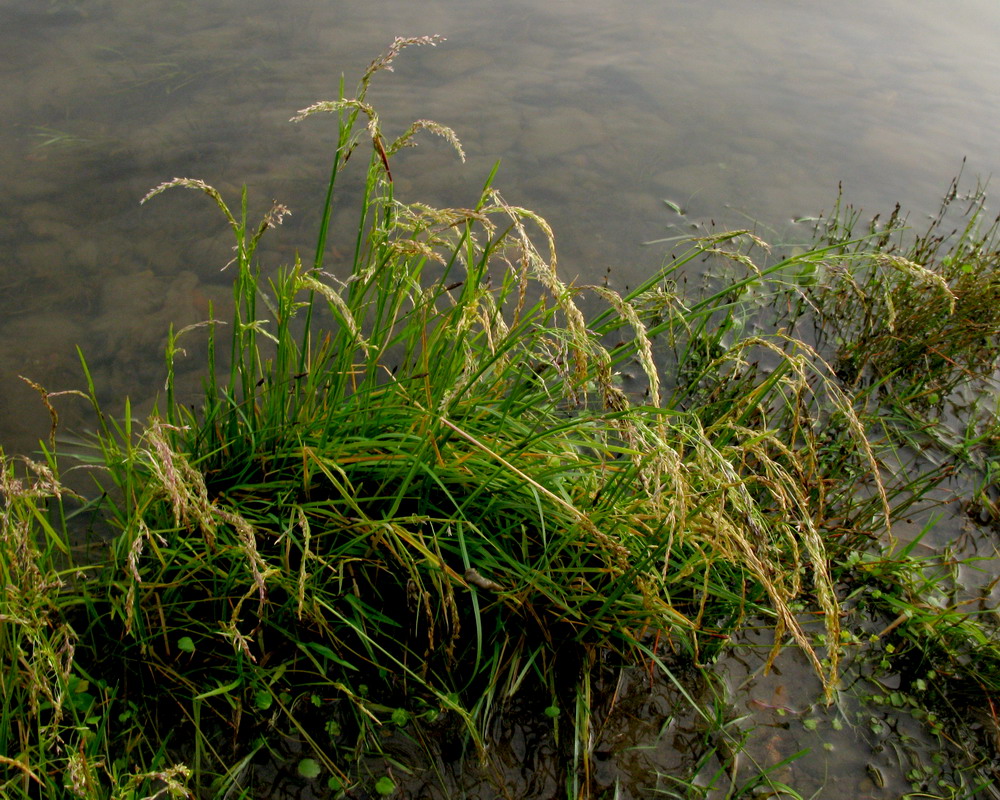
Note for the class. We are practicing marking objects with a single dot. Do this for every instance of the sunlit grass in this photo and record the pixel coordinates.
(415, 490)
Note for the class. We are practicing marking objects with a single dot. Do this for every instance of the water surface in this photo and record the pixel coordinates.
(739, 114)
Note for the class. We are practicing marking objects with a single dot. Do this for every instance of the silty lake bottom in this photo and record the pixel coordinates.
(86, 266)
(750, 120)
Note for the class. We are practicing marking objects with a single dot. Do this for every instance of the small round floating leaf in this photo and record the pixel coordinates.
(400, 717)
(385, 786)
(552, 712)
(309, 768)
(186, 643)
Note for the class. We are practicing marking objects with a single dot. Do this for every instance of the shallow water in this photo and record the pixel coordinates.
(740, 114)
(598, 114)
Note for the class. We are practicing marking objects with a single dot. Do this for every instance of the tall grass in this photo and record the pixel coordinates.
(416, 490)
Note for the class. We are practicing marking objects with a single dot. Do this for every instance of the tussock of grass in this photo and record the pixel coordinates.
(416, 490)
(921, 319)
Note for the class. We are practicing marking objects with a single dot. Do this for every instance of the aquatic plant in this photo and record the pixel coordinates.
(415, 495)
(437, 488)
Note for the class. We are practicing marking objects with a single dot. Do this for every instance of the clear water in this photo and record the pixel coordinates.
(598, 111)
(739, 113)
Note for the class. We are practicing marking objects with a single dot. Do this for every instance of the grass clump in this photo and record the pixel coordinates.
(59, 725)
(421, 488)
(415, 490)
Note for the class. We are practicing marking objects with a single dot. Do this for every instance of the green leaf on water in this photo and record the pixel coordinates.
(552, 712)
(83, 701)
(385, 786)
(309, 768)
(186, 643)
(400, 717)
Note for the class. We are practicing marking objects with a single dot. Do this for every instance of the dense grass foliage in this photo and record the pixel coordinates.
(416, 490)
